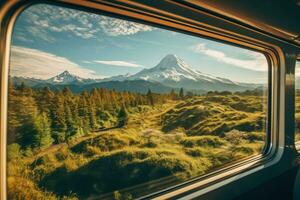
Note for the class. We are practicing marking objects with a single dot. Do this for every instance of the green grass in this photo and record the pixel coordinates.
(214, 115)
(174, 141)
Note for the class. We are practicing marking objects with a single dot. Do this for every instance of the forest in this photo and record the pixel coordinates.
(119, 143)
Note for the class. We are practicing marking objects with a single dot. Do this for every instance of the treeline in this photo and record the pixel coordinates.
(254, 92)
(38, 118)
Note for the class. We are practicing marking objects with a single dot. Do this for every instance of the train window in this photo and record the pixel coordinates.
(297, 107)
(106, 108)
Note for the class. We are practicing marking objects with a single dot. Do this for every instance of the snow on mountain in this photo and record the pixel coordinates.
(173, 68)
(173, 71)
(67, 78)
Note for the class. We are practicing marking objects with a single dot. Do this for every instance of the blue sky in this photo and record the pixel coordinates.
(48, 40)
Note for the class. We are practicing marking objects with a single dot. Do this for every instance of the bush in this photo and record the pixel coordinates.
(255, 136)
(13, 151)
(203, 141)
(106, 142)
(195, 152)
(234, 136)
(21, 188)
(125, 168)
(243, 149)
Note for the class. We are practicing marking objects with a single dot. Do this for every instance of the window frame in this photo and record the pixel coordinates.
(271, 154)
(297, 143)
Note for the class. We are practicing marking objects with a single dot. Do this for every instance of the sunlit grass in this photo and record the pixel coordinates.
(179, 139)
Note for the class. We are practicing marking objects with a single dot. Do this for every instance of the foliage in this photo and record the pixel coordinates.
(215, 115)
(37, 118)
(123, 145)
(122, 117)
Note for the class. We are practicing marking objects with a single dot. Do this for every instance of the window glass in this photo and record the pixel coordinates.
(104, 108)
(297, 112)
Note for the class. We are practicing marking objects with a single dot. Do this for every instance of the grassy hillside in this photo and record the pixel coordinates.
(161, 145)
(216, 115)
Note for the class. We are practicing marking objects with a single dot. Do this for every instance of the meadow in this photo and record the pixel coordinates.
(135, 147)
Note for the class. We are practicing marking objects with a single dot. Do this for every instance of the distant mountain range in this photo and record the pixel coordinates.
(170, 73)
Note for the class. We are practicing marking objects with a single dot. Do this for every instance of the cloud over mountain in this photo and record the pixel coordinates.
(118, 63)
(28, 62)
(257, 62)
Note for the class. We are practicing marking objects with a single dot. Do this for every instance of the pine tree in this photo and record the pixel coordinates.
(181, 93)
(25, 110)
(67, 91)
(122, 117)
(57, 116)
(37, 115)
(41, 131)
(44, 98)
(150, 97)
(12, 114)
(173, 95)
(83, 113)
(71, 127)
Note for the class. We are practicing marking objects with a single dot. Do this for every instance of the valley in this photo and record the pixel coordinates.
(127, 135)
(165, 139)
(101, 106)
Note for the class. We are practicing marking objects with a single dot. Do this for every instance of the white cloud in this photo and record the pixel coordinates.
(116, 27)
(36, 32)
(258, 62)
(117, 63)
(28, 62)
(87, 62)
(41, 20)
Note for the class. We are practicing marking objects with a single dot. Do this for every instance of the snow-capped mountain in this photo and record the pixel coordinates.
(170, 72)
(173, 71)
(67, 78)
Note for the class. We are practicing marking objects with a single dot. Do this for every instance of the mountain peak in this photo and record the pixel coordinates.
(171, 56)
(65, 73)
(65, 78)
(172, 61)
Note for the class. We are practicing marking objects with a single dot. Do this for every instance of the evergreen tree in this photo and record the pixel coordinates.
(122, 117)
(83, 113)
(41, 131)
(173, 95)
(44, 98)
(58, 120)
(150, 97)
(181, 93)
(71, 127)
(12, 114)
(37, 115)
(26, 110)
(67, 91)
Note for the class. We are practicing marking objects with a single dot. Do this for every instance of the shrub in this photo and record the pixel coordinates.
(21, 188)
(234, 136)
(13, 151)
(195, 152)
(203, 141)
(62, 154)
(125, 168)
(243, 149)
(255, 136)
(106, 142)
